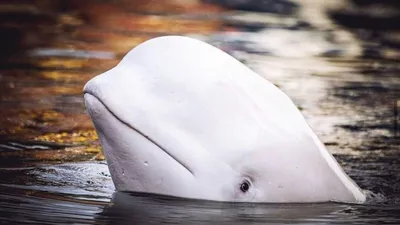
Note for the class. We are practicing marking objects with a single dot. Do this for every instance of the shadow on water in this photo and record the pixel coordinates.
(338, 61)
(282, 7)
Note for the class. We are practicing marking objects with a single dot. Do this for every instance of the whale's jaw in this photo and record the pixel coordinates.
(91, 100)
(134, 160)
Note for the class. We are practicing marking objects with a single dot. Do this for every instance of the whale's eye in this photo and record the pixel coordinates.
(245, 186)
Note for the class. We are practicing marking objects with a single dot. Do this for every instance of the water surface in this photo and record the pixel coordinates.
(339, 62)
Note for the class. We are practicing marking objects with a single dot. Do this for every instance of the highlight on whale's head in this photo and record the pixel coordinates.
(182, 118)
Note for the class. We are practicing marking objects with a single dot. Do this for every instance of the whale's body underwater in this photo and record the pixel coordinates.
(180, 117)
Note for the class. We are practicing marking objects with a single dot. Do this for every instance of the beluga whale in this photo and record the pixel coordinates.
(179, 117)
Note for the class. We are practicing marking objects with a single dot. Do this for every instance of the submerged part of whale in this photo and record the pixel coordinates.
(180, 117)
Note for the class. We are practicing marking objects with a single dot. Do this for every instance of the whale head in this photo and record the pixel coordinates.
(180, 117)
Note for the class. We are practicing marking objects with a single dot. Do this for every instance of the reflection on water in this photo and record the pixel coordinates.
(337, 60)
(128, 208)
(159, 209)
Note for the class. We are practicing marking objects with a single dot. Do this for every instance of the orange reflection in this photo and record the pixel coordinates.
(57, 46)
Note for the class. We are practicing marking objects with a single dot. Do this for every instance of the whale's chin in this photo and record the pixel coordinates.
(136, 162)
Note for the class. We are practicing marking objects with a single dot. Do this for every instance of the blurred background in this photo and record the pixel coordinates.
(337, 59)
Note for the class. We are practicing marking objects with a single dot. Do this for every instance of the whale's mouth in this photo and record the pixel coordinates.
(90, 97)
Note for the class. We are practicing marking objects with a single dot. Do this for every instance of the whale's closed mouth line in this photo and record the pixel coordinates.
(141, 133)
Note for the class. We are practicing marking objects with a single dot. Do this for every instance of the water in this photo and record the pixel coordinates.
(338, 61)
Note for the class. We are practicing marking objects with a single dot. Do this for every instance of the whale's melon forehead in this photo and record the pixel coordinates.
(189, 51)
(177, 64)
(176, 58)
(179, 59)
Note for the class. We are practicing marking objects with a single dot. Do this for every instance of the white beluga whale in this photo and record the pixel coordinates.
(182, 118)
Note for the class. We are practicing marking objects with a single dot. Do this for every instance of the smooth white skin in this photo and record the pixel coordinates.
(180, 117)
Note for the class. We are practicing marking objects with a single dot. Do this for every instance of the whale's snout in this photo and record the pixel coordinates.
(99, 84)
